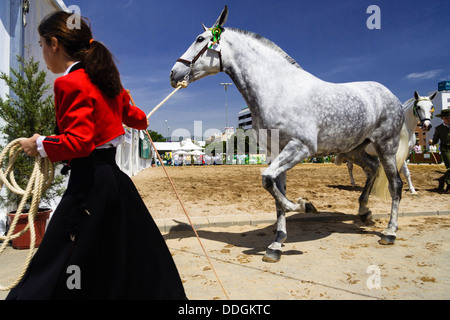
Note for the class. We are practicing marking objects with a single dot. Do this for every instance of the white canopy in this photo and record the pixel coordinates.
(180, 152)
(188, 145)
(197, 153)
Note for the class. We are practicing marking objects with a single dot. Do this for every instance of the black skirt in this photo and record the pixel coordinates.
(101, 242)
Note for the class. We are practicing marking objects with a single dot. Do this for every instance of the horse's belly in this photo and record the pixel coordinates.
(342, 142)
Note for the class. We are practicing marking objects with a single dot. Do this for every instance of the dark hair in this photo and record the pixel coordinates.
(96, 59)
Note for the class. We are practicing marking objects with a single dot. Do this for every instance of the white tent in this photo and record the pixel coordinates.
(197, 153)
(188, 145)
(180, 152)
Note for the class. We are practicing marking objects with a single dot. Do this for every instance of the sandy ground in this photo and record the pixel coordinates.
(325, 259)
(231, 190)
(328, 258)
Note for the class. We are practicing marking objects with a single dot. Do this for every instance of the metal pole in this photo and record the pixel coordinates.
(225, 85)
(167, 137)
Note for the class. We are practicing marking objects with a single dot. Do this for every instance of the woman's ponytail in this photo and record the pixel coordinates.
(96, 59)
(101, 69)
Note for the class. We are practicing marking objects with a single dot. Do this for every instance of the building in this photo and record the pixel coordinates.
(19, 20)
(245, 119)
(421, 136)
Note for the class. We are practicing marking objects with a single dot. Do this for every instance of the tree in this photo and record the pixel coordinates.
(27, 111)
(156, 136)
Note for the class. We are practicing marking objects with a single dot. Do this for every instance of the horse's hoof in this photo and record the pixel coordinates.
(309, 208)
(387, 240)
(366, 218)
(272, 255)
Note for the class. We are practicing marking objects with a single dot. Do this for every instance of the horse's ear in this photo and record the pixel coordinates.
(416, 95)
(223, 18)
(433, 95)
(204, 27)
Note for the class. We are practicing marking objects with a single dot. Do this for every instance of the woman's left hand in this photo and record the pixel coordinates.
(29, 145)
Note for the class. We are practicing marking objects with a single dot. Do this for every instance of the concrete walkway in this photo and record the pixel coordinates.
(326, 256)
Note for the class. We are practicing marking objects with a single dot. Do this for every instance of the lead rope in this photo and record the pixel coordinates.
(41, 179)
(180, 85)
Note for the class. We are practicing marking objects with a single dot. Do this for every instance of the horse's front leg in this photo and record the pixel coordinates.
(292, 154)
(274, 181)
(273, 253)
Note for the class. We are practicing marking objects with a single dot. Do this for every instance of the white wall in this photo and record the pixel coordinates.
(19, 36)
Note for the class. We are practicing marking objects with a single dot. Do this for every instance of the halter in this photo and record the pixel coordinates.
(216, 32)
(417, 115)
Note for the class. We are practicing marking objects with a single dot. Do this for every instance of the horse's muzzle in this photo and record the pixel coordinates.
(426, 125)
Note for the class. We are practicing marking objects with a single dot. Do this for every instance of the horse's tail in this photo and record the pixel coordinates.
(381, 185)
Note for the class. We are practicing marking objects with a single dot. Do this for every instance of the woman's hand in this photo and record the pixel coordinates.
(29, 145)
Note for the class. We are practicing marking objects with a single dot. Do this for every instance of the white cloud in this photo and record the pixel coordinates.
(347, 65)
(430, 74)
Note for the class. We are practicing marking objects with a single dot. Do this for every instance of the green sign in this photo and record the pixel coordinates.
(144, 148)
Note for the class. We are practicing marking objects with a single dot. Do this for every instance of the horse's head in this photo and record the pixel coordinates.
(203, 58)
(423, 110)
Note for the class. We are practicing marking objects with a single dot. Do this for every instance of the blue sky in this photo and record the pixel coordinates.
(328, 38)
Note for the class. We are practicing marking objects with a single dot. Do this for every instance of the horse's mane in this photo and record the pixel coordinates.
(408, 104)
(269, 44)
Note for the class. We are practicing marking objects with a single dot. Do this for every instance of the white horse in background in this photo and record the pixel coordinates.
(313, 118)
(417, 109)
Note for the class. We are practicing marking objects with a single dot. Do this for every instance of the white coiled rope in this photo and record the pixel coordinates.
(41, 179)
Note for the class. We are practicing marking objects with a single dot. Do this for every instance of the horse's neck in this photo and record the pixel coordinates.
(410, 119)
(258, 69)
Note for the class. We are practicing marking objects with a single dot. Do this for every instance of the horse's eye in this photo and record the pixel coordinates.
(200, 39)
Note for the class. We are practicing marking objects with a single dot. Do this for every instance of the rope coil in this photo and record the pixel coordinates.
(40, 180)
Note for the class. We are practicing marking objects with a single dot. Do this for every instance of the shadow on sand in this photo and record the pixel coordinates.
(300, 228)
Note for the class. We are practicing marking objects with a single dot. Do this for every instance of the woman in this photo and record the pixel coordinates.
(101, 242)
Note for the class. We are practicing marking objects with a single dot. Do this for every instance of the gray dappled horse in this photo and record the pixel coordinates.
(313, 118)
(417, 109)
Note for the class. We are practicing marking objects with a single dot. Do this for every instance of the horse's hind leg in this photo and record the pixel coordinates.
(370, 166)
(350, 173)
(408, 178)
(395, 189)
